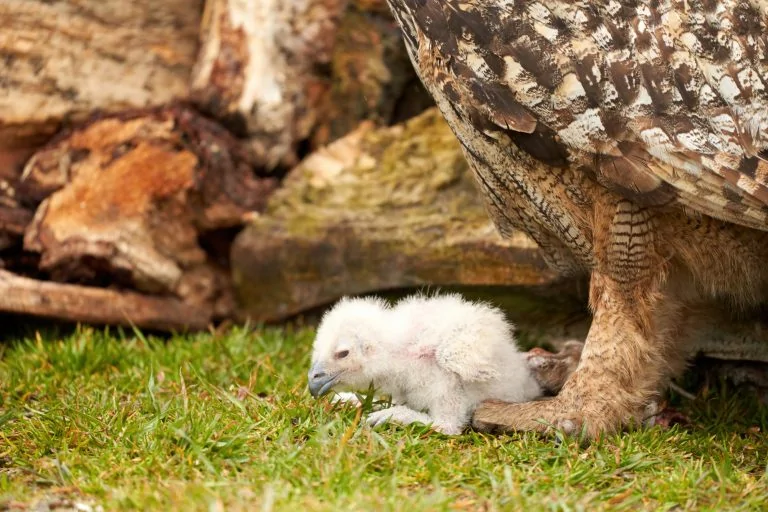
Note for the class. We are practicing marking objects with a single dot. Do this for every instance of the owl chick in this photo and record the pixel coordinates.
(437, 357)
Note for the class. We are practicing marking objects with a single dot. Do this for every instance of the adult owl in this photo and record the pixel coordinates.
(629, 140)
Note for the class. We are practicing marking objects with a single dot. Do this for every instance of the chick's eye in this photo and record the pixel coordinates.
(341, 354)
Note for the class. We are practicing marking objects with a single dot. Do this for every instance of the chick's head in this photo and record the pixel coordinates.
(348, 339)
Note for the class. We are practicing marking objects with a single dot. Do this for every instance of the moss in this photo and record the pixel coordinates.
(379, 209)
(409, 178)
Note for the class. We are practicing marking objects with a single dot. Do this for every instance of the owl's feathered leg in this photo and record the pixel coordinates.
(631, 347)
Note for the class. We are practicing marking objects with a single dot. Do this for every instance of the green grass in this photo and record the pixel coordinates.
(224, 422)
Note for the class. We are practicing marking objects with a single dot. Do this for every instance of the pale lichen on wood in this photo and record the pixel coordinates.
(256, 68)
(288, 75)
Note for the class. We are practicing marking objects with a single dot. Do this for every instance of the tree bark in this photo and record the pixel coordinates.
(371, 76)
(97, 305)
(62, 60)
(256, 68)
(133, 195)
(281, 72)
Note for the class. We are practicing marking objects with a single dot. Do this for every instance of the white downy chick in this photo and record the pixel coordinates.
(437, 357)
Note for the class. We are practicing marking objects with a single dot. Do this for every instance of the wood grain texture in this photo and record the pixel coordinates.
(131, 196)
(62, 60)
(73, 303)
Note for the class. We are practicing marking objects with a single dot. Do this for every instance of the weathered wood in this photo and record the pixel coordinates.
(379, 209)
(256, 68)
(134, 193)
(97, 305)
(62, 60)
(371, 77)
(284, 72)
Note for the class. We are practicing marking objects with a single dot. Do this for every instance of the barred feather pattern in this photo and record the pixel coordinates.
(629, 139)
(664, 102)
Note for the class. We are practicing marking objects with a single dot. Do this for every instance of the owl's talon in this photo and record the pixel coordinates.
(545, 417)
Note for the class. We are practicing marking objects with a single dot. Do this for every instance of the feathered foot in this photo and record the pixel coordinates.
(573, 415)
(633, 345)
(494, 416)
(629, 353)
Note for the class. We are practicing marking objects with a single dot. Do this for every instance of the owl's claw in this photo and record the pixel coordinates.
(493, 416)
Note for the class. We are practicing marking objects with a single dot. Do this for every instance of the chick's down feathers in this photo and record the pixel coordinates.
(437, 357)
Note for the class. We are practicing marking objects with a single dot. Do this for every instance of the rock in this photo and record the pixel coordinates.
(379, 209)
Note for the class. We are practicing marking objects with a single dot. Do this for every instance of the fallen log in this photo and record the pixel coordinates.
(74, 303)
(63, 60)
(379, 209)
(132, 196)
(282, 73)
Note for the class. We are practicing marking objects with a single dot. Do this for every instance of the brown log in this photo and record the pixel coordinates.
(371, 76)
(133, 195)
(256, 68)
(74, 303)
(282, 72)
(62, 60)
(386, 208)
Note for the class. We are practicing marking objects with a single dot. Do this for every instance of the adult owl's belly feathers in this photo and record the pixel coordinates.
(663, 101)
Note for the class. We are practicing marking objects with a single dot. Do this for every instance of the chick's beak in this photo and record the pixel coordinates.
(320, 380)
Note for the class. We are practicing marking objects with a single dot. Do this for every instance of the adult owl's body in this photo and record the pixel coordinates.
(628, 139)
